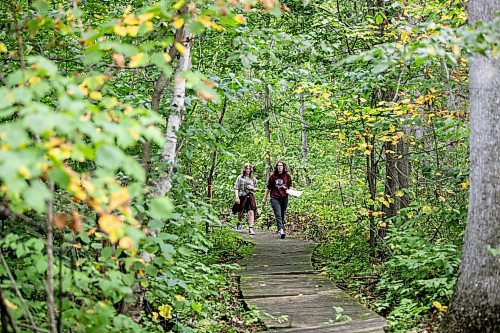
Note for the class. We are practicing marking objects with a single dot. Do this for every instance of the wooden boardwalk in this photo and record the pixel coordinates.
(278, 279)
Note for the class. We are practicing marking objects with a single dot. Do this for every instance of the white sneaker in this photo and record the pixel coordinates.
(281, 233)
(250, 231)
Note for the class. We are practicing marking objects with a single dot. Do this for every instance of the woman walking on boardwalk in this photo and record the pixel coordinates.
(244, 189)
(278, 183)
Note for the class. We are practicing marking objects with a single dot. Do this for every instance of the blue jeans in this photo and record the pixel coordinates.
(279, 208)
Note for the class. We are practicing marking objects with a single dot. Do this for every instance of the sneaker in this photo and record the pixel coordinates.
(238, 227)
(281, 233)
(250, 231)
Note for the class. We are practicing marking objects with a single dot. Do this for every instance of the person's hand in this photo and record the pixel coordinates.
(237, 201)
(264, 200)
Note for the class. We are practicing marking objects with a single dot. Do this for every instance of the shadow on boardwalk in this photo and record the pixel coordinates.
(277, 278)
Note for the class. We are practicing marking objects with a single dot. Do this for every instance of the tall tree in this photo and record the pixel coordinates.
(169, 153)
(475, 306)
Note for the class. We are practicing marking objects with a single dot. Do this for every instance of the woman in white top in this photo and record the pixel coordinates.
(244, 189)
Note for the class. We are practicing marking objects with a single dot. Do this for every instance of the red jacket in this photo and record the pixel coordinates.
(278, 184)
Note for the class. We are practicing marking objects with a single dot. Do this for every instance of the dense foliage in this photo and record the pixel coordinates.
(366, 102)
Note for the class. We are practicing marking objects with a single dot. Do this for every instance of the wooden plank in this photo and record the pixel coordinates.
(279, 281)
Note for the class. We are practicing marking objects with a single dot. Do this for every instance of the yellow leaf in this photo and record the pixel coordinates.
(399, 194)
(95, 95)
(179, 298)
(145, 17)
(178, 5)
(426, 209)
(155, 316)
(135, 60)
(178, 23)
(3, 48)
(165, 311)
(439, 306)
(118, 198)
(149, 26)
(167, 57)
(384, 202)
(441, 198)
(34, 80)
(181, 48)
(404, 35)
(24, 172)
(132, 30)
(9, 304)
(120, 30)
(205, 20)
(131, 19)
(240, 19)
(126, 243)
(110, 224)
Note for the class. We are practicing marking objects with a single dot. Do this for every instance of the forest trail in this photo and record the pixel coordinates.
(278, 279)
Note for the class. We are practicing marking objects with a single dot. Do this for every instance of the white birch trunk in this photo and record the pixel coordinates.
(169, 153)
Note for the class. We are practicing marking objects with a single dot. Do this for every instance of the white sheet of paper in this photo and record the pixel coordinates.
(293, 192)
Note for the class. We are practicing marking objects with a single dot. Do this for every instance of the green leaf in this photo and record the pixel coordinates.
(379, 68)
(196, 306)
(42, 6)
(37, 195)
(167, 251)
(92, 57)
(151, 270)
(41, 264)
(109, 157)
(160, 208)
(44, 66)
(106, 252)
(59, 177)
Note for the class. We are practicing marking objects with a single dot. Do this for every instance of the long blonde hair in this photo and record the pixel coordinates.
(243, 170)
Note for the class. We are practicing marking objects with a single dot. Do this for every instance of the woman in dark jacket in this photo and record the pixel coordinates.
(278, 184)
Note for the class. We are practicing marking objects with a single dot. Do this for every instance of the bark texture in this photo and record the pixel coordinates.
(475, 306)
(169, 153)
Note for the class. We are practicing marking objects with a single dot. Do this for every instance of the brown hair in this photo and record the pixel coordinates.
(243, 170)
(285, 168)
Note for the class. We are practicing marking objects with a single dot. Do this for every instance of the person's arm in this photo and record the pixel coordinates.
(235, 187)
(254, 186)
(264, 199)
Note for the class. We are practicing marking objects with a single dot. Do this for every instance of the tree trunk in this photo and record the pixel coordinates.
(267, 129)
(169, 153)
(51, 310)
(371, 178)
(391, 184)
(159, 87)
(403, 168)
(211, 171)
(305, 147)
(475, 306)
